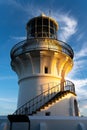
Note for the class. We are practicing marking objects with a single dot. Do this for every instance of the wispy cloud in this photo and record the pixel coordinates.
(80, 62)
(80, 87)
(13, 3)
(9, 100)
(83, 52)
(85, 106)
(77, 70)
(68, 26)
(80, 36)
(18, 38)
(20, 5)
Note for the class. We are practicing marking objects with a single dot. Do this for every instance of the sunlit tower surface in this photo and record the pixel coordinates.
(41, 63)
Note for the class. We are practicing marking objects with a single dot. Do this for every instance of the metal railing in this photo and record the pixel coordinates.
(34, 104)
(37, 102)
(41, 44)
(68, 85)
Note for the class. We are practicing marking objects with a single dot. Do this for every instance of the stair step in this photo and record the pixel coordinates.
(47, 103)
(50, 102)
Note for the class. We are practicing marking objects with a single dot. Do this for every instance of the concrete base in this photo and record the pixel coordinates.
(45, 123)
(58, 123)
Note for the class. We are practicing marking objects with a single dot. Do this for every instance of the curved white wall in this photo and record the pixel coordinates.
(30, 87)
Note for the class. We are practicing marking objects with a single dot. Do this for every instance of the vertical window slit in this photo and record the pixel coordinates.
(46, 70)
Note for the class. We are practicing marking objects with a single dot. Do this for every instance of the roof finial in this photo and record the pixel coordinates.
(42, 14)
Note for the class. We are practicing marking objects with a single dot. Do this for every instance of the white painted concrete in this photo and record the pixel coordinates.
(34, 85)
(46, 123)
(62, 107)
(58, 123)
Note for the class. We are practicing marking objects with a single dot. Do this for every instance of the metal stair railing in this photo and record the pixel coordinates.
(68, 85)
(37, 102)
(34, 104)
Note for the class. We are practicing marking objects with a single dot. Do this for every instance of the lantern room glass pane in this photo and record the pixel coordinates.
(51, 24)
(45, 29)
(51, 31)
(32, 30)
(39, 22)
(45, 21)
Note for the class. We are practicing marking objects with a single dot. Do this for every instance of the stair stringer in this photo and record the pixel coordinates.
(61, 105)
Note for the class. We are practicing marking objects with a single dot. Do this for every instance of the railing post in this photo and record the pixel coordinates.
(26, 110)
(62, 86)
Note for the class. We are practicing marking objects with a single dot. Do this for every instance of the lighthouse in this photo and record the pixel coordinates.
(42, 62)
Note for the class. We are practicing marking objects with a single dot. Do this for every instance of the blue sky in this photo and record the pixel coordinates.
(72, 18)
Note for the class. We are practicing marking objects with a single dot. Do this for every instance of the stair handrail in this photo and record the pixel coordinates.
(44, 93)
(31, 106)
(68, 85)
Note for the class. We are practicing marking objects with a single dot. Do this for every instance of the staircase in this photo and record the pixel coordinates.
(45, 98)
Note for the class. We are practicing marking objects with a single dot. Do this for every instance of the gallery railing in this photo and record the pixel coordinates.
(41, 44)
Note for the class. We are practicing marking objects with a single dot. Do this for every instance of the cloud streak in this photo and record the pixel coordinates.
(83, 52)
(68, 26)
(9, 100)
(77, 70)
(18, 38)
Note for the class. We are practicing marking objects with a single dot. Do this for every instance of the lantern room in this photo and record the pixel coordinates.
(42, 27)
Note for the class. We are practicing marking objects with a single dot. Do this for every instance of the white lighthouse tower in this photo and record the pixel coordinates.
(41, 63)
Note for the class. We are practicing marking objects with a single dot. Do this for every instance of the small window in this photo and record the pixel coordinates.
(47, 113)
(46, 70)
